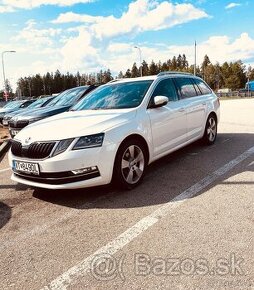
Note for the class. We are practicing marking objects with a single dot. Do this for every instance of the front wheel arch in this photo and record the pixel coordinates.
(141, 139)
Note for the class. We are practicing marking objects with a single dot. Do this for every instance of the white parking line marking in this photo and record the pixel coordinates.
(6, 169)
(67, 278)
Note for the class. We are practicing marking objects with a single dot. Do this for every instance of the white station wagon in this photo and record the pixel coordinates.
(115, 132)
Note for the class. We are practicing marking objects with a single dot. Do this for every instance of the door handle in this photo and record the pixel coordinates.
(204, 104)
(181, 110)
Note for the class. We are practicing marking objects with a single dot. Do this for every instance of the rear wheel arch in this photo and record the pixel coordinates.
(212, 114)
(212, 127)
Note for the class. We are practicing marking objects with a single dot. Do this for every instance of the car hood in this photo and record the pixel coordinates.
(43, 112)
(4, 111)
(26, 112)
(14, 113)
(75, 124)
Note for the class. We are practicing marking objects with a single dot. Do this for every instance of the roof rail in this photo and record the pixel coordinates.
(113, 81)
(173, 73)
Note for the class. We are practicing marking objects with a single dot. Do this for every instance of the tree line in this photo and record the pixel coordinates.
(52, 83)
(232, 75)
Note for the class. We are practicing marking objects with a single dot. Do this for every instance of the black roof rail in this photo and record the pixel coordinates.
(113, 81)
(163, 73)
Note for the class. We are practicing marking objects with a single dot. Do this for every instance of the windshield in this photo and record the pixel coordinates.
(68, 97)
(115, 96)
(12, 104)
(36, 104)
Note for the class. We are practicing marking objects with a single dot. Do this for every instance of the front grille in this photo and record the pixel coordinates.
(35, 150)
(19, 124)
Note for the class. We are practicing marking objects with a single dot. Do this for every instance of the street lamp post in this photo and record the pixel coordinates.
(6, 51)
(248, 80)
(195, 58)
(140, 58)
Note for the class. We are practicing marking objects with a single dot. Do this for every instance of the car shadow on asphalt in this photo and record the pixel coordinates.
(165, 178)
(5, 214)
(16, 187)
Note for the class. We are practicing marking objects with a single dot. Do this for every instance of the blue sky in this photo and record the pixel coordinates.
(88, 35)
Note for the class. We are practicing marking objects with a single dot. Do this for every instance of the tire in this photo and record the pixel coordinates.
(130, 164)
(210, 133)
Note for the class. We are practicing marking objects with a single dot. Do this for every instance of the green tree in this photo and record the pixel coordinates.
(206, 62)
(164, 67)
(153, 69)
(135, 71)
(173, 66)
(120, 75)
(128, 73)
(145, 68)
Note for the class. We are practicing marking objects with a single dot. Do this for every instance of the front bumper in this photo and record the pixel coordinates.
(56, 172)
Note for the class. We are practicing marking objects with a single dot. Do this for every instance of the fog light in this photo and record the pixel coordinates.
(85, 170)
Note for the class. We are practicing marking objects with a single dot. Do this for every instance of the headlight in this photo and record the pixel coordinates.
(90, 141)
(62, 146)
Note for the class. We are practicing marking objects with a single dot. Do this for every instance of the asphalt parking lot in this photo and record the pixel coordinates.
(190, 225)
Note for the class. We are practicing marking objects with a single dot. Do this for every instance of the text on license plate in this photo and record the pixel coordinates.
(28, 167)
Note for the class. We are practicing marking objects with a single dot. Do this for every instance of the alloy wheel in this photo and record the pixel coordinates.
(211, 129)
(133, 164)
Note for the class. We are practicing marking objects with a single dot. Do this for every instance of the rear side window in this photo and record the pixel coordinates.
(186, 88)
(202, 86)
(166, 88)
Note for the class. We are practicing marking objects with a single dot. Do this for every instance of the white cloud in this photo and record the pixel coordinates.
(119, 47)
(142, 15)
(36, 37)
(75, 17)
(6, 8)
(220, 49)
(232, 5)
(11, 5)
(78, 53)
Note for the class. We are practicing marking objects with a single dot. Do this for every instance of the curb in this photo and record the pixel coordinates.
(4, 147)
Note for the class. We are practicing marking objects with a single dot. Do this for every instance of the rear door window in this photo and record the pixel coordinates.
(202, 86)
(186, 88)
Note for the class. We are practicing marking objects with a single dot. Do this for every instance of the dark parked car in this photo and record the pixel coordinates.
(35, 105)
(62, 103)
(14, 106)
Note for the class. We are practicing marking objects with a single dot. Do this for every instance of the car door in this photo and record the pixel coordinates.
(168, 123)
(194, 104)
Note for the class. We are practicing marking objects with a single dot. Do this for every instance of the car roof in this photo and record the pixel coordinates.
(154, 77)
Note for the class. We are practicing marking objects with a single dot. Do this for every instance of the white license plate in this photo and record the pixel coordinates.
(5, 123)
(27, 167)
(14, 132)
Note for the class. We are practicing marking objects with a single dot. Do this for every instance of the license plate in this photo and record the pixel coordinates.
(14, 132)
(27, 167)
(5, 122)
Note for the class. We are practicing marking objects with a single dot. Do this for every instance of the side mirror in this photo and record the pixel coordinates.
(160, 101)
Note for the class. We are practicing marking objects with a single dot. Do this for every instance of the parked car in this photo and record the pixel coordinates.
(63, 102)
(36, 104)
(14, 106)
(115, 132)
